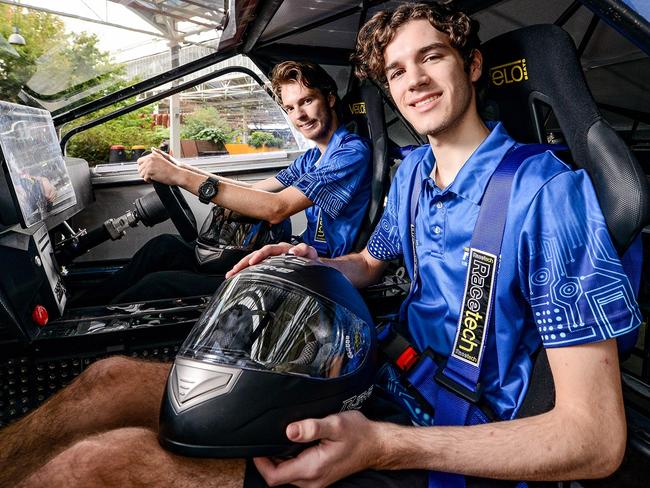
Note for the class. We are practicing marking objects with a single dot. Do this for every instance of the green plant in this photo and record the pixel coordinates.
(260, 138)
(203, 118)
(218, 135)
(130, 129)
(205, 124)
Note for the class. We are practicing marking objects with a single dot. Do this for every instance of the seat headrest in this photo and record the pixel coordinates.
(355, 114)
(363, 109)
(540, 64)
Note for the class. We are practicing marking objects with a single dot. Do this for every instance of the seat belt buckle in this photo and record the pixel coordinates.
(471, 396)
(398, 350)
(407, 359)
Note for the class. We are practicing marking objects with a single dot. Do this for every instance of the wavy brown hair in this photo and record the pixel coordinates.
(309, 75)
(380, 30)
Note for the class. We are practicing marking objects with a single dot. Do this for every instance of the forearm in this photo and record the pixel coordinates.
(242, 199)
(207, 174)
(358, 268)
(584, 436)
(549, 447)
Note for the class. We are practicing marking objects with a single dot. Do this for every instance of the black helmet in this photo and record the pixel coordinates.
(281, 341)
(227, 236)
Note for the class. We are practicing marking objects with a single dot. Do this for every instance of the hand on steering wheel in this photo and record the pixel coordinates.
(174, 202)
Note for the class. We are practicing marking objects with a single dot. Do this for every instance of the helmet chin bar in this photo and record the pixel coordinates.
(147, 210)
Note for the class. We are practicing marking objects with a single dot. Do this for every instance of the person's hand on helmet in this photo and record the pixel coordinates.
(348, 443)
(260, 255)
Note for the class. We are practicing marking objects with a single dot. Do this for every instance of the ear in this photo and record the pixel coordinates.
(476, 66)
(331, 100)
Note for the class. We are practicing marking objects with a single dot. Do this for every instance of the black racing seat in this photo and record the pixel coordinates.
(363, 114)
(535, 66)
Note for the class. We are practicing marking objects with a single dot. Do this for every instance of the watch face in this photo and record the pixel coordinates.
(207, 190)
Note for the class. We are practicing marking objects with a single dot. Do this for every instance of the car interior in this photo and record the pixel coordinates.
(537, 80)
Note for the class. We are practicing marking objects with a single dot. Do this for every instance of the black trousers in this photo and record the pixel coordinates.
(165, 267)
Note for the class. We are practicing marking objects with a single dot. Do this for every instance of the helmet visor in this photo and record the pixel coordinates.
(269, 324)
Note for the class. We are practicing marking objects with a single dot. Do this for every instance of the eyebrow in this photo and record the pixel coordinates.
(300, 100)
(422, 50)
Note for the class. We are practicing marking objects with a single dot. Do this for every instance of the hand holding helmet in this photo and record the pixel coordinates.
(347, 443)
(285, 340)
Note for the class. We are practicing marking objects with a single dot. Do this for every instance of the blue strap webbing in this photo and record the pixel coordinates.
(440, 386)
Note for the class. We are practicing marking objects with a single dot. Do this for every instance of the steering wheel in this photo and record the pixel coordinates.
(178, 209)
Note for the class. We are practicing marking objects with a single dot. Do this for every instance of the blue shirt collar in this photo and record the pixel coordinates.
(334, 143)
(473, 177)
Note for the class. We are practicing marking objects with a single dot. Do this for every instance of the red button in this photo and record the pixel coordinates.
(407, 359)
(40, 315)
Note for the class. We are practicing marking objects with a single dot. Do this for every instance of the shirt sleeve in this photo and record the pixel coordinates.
(292, 172)
(578, 290)
(384, 243)
(334, 182)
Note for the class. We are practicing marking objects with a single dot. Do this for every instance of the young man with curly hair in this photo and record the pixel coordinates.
(428, 57)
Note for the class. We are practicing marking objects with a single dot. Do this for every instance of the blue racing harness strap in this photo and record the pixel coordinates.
(451, 387)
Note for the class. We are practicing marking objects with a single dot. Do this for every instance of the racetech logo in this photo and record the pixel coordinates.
(475, 311)
(506, 74)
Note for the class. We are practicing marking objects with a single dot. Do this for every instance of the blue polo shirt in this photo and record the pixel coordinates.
(560, 280)
(339, 186)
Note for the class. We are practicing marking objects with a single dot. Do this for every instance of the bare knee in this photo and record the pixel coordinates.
(76, 466)
(100, 460)
(122, 373)
(126, 390)
(104, 376)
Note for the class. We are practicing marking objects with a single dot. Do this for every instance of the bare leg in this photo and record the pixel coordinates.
(133, 457)
(112, 393)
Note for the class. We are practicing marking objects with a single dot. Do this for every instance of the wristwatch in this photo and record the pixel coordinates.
(208, 189)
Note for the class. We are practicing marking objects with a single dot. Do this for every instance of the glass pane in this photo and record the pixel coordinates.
(231, 115)
(80, 50)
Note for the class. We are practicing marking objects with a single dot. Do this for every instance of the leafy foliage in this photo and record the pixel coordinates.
(42, 31)
(261, 138)
(134, 128)
(218, 135)
(53, 66)
(205, 124)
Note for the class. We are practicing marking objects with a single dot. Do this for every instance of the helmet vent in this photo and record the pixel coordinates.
(193, 382)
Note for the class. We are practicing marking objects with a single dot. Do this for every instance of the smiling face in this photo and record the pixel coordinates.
(310, 111)
(427, 80)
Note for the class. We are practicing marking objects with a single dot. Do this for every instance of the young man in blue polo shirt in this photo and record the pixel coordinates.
(560, 285)
(330, 182)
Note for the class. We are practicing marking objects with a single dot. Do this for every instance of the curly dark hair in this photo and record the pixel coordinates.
(380, 30)
(307, 74)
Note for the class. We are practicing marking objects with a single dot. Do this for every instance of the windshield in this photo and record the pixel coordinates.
(63, 54)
